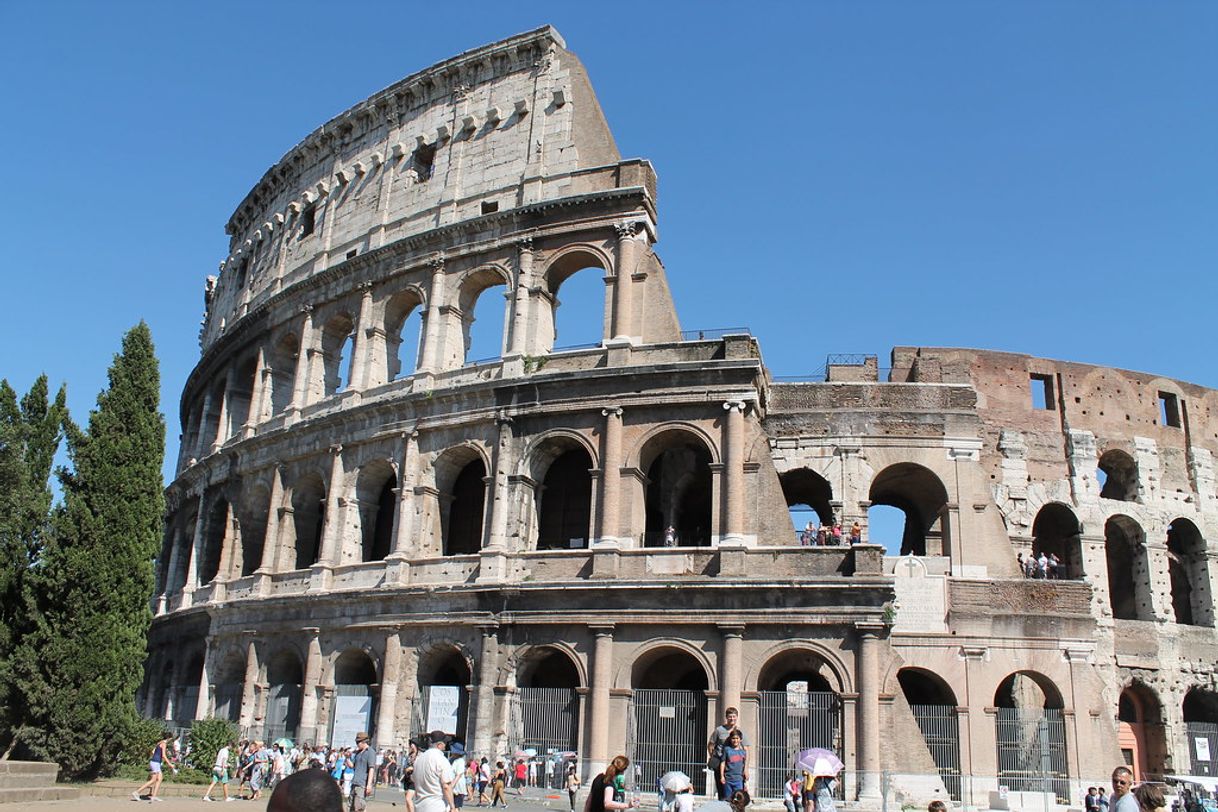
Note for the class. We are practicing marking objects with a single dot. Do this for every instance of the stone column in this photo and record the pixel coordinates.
(202, 441)
(175, 562)
(391, 672)
(364, 330)
(611, 477)
(521, 311)
(403, 520)
(484, 718)
(300, 383)
(332, 532)
(733, 463)
(308, 699)
(270, 543)
(499, 503)
(228, 543)
(731, 667)
(598, 713)
(623, 298)
(258, 388)
(223, 431)
(203, 704)
(248, 697)
(196, 547)
(869, 710)
(431, 329)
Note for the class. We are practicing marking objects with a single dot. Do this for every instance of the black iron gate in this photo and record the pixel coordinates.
(1032, 751)
(667, 732)
(940, 728)
(790, 721)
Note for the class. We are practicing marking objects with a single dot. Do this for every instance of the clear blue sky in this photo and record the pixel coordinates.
(840, 177)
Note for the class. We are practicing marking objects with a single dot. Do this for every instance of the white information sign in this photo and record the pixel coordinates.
(351, 715)
(442, 704)
(1203, 748)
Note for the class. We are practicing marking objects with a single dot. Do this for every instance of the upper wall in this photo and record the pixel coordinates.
(505, 125)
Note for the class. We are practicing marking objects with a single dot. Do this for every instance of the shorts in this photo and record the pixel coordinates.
(219, 774)
(355, 800)
(154, 767)
(731, 786)
(458, 801)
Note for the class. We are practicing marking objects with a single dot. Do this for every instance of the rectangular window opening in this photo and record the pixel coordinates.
(352, 253)
(308, 220)
(490, 206)
(1042, 391)
(424, 160)
(1169, 410)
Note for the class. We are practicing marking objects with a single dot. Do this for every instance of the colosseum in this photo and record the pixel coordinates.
(585, 551)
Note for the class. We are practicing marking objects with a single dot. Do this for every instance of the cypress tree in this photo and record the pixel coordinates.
(30, 433)
(81, 664)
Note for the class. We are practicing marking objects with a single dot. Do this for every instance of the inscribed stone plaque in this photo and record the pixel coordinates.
(921, 599)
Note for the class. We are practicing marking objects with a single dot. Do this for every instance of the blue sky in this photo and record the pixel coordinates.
(840, 177)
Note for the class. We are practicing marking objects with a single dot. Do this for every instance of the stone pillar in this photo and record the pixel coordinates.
(398, 560)
(332, 532)
(248, 697)
(484, 707)
(611, 478)
(308, 699)
(869, 710)
(733, 464)
(300, 383)
(391, 672)
(175, 562)
(223, 431)
(196, 547)
(228, 545)
(203, 704)
(521, 310)
(499, 503)
(623, 299)
(731, 667)
(598, 714)
(202, 441)
(364, 330)
(258, 390)
(270, 543)
(431, 329)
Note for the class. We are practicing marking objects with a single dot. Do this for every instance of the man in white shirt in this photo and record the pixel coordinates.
(433, 777)
(219, 772)
(460, 788)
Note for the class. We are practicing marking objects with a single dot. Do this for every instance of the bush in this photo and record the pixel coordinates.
(142, 736)
(207, 736)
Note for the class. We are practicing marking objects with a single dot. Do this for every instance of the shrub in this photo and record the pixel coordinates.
(207, 736)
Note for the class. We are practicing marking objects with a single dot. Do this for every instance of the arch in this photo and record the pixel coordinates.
(918, 492)
(799, 665)
(1191, 596)
(565, 500)
(184, 538)
(461, 480)
(282, 362)
(933, 705)
(1200, 709)
(354, 666)
(1028, 690)
(1056, 532)
(831, 667)
(188, 689)
(587, 306)
(377, 494)
(1030, 734)
(240, 397)
(1118, 475)
(678, 496)
(229, 679)
(214, 532)
(548, 666)
(337, 340)
(672, 665)
(807, 488)
(1128, 569)
(444, 665)
(923, 687)
(213, 407)
(308, 506)
(255, 507)
(486, 341)
(1141, 734)
(403, 332)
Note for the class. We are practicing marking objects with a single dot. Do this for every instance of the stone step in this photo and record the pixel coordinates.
(31, 794)
(29, 768)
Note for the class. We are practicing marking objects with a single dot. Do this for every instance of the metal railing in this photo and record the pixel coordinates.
(788, 722)
(940, 728)
(1032, 751)
(544, 722)
(714, 333)
(1198, 732)
(667, 732)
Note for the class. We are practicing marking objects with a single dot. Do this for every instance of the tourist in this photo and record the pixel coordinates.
(856, 533)
(822, 536)
(936, 806)
(1091, 801)
(160, 756)
(733, 767)
(260, 762)
(718, 739)
(484, 781)
(460, 779)
(1122, 800)
(670, 536)
(306, 791)
(822, 794)
(572, 785)
(808, 536)
(1102, 801)
(412, 755)
(499, 779)
(433, 777)
(793, 794)
(1055, 566)
(219, 771)
(1149, 798)
(522, 776)
(601, 793)
(363, 773)
(1022, 571)
(837, 534)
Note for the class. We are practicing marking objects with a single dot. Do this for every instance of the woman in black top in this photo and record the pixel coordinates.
(600, 795)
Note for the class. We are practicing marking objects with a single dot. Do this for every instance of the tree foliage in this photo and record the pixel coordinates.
(81, 662)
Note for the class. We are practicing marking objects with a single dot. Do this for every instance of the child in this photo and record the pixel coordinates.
(733, 770)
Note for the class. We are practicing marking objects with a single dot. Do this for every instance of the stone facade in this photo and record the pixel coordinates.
(354, 519)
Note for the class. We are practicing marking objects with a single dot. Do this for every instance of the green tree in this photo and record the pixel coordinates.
(81, 664)
(30, 433)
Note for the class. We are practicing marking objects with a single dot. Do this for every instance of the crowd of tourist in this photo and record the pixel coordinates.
(1042, 566)
(830, 535)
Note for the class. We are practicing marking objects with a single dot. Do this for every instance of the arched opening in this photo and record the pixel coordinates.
(337, 339)
(1055, 532)
(1031, 735)
(282, 361)
(308, 521)
(213, 407)
(1201, 729)
(255, 506)
(919, 494)
(229, 681)
(483, 301)
(545, 708)
(798, 707)
(933, 704)
(1118, 476)
(445, 681)
(576, 317)
(403, 335)
(239, 397)
(669, 710)
(378, 500)
(678, 500)
(355, 687)
(565, 497)
(188, 691)
(213, 545)
(463, 500)
(163, 703)
(1128, 569)
(1191, 596)
(185, 542)
(285, 679)
(808, 496)
(1141, 734)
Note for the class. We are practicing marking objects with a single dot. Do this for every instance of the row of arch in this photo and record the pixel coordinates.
(390, 330)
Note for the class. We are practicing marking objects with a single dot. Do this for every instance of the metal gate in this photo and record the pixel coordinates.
(1202, 741)
(790, 721)
(940, 728)
(667, 732)
(419, 714)
(545, 720)
(282, 712)
(1032, 751)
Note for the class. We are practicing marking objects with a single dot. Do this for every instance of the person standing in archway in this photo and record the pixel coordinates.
(717, 743)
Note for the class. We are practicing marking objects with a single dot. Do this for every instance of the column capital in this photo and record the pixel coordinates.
(312, 631)
(436, 262)
(488, 628)
(615, 411)
(365, 288)
(625, 230)
(336, 449)
(524, 243)
(306, 308)
(601, 629)
(731, 629)
(735, 405)
(869, 630)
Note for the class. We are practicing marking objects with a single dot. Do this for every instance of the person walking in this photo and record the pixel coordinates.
(363, 777)
(601, 793)
(460, 774)
(499, 779)
(484, 781)
(412, 755)
(159, 758)
(433, 777)
(572, 785)
(219, 772)
(522, 776)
